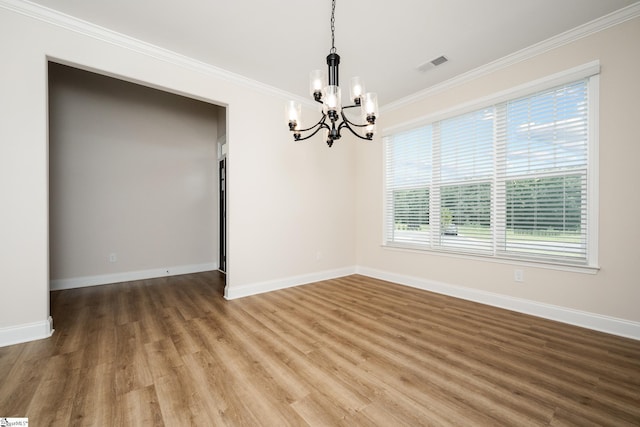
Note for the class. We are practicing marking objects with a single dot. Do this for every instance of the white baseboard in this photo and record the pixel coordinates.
(289, 282)
(26, 332)
(611, 325)
(81, 282)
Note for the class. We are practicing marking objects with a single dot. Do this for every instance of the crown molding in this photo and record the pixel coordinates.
(68, 22)
(626, 13)
(97, 32)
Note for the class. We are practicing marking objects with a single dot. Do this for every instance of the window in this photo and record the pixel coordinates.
(511, 180)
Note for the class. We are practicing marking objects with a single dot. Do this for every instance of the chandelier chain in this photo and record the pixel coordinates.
(333, 26)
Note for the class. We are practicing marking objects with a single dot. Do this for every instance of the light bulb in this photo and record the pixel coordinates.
(332, 99)
(317, 82)
(357, 89)
(370, 104)
(293, 114)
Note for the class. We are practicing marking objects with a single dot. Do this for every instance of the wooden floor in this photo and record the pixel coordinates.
(346, 352)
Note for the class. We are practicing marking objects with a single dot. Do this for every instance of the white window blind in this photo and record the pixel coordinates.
(542, 143)
(509, 180)
(408, 165)
(465, 177)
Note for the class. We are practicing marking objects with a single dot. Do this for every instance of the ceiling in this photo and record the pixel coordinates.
(278, 42)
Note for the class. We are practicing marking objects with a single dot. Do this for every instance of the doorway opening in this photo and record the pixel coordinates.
(133, 180)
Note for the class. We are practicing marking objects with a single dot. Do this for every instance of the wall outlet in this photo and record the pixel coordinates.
(113, 257)
(318, 255)
(518, 275)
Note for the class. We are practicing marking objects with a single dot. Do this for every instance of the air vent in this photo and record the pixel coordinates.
(432, 64)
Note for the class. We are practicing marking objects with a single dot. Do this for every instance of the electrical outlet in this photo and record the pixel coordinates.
(518, 275)
(113, 257)
(318, 255)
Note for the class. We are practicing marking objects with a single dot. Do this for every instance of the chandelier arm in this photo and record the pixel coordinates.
(318, 126)
(346, 120)
(356, 124)
(345, 124)
(321, 121)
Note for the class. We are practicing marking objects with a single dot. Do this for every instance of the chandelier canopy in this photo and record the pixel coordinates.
(325, 89)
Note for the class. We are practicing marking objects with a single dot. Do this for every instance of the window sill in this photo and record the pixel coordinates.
(573, 268)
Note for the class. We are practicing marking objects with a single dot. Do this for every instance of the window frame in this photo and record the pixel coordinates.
(589, 72)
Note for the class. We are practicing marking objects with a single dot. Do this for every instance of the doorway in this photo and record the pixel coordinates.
(132, 180)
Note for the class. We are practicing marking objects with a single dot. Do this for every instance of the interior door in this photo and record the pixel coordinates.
(223, 214)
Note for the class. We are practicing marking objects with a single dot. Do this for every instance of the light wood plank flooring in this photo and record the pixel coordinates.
(346, 352)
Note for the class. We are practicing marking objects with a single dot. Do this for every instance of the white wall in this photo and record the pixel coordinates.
(132, 173)
(614, 291)
(286, 202)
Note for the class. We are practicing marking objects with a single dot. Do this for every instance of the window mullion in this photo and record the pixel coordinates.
(499, 216)
(434, 199)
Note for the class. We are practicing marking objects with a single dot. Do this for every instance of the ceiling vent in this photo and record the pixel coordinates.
(432, 64)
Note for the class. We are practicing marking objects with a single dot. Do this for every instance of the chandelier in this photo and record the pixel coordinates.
(327, 92)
